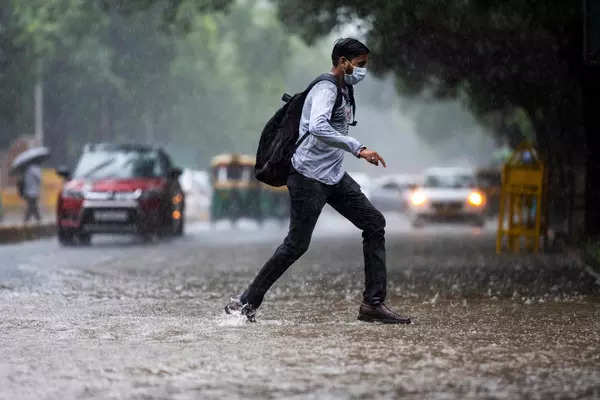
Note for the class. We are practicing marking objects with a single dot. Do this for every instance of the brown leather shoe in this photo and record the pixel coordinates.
(380, 313)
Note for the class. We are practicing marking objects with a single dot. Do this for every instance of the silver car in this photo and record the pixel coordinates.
(391, 192)
(448, 195)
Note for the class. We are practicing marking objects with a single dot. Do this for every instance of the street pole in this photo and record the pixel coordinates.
(38, 93)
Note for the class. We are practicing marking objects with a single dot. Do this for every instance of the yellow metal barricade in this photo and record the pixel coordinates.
(51, 185)
(522, 193)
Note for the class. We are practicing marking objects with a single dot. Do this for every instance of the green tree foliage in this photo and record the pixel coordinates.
(31, 32)
(171, 11)
(196, 77)
(14, 76)
(515, 63)
(496, 55)
(231, 68)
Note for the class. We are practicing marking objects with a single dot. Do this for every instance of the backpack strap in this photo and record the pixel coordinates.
(353, 104)
(330, 78)
(299, 142)
(338, 99)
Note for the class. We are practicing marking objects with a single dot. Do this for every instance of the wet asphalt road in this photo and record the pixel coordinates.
(127, 319)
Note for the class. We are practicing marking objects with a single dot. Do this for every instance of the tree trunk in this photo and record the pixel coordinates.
(591, 99)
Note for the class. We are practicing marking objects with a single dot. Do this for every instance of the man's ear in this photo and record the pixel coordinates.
(344, 62)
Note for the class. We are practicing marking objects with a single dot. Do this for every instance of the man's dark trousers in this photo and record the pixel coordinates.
(308, 197)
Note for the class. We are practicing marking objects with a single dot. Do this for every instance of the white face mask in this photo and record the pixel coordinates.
(358, 74)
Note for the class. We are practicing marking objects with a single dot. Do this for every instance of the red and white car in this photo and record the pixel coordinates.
(120, 189)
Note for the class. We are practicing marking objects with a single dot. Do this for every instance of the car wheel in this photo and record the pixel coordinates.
(180, 226)
(85, 238)
(66, 238)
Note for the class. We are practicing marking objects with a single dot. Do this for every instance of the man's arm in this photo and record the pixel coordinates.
(323, 100)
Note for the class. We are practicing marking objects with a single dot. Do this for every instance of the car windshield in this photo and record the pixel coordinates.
(119, 164)
(450, 181)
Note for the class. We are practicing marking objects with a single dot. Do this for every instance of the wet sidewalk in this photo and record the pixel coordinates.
(15, 218)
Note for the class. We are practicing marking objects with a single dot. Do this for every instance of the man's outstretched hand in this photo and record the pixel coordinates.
(372, 157)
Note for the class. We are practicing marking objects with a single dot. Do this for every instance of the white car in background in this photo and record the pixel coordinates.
(392, 192)
(448, 195)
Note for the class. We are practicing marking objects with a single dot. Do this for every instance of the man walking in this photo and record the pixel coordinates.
(318, 177)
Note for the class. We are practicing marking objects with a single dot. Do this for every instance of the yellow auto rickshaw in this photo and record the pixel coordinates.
(237, 194)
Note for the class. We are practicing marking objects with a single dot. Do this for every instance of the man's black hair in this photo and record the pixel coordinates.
(349, 48)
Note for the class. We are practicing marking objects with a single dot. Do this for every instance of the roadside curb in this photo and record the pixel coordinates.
(15, 234)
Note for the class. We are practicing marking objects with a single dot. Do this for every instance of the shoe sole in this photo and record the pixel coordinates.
(365, 318)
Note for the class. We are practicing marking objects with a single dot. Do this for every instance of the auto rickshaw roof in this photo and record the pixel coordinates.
(227, 159)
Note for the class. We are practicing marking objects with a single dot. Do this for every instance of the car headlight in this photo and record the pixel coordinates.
(149, 194)
(475, 199)
(418, 198)
(72, 194)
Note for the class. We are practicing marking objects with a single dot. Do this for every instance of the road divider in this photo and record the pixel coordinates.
(20, 233)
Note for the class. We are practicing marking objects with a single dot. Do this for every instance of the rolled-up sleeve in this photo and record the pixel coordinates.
(323, 100)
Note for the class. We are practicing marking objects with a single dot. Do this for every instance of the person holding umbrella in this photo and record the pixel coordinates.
(29, 184)
(32, 179)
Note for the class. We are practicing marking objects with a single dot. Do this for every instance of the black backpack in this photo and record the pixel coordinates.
(278, 139)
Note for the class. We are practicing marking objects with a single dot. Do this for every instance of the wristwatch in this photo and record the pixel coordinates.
(359, 150)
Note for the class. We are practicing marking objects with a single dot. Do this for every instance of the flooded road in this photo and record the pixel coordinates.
(127, 319)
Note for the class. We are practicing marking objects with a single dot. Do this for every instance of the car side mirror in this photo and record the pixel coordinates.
(63, 172)
(175, 173)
